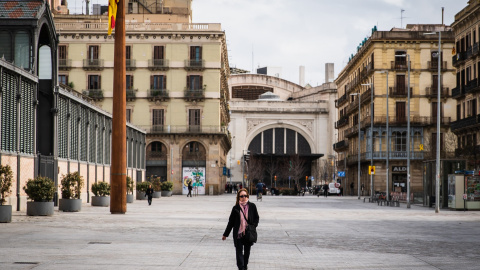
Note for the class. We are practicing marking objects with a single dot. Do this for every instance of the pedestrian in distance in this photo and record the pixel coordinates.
(149, 193)
(341, 190)
(351, 188)
(325, 190)
(190, 187)
(243, 214)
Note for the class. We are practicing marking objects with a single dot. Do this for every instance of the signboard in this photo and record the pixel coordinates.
(371, 170)
(224, 170)
(397, 169)
(197, 176)
(341, 174)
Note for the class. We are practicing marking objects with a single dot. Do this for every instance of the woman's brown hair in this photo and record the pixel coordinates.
(238, 194)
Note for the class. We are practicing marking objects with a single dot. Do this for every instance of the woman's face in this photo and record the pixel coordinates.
(243, 197)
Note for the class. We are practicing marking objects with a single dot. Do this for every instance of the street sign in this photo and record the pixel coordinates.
(371, 170)
(341, 173)
(224, 170)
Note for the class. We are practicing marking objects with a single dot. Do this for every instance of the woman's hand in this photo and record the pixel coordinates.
(223, 238)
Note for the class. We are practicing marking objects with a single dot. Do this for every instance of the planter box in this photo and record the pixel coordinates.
(166, 193)
(103, 201)
(129, 198)
(70, 205)
(141, 195)
(40, 208)
(157, 194)
(5, 213)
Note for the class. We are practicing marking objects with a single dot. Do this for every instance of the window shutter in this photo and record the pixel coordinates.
(201, 83)
(200, 53)
(99, 82)
(162, 52)
(151, 82)
(188, 82)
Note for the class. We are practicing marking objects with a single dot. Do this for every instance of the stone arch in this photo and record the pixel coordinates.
(300, 129)
(157, 160)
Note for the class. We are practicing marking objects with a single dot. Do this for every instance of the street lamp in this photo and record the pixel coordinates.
(437, 169)
(371, 135)
(388, 138)
(358, 97)
(408, 129)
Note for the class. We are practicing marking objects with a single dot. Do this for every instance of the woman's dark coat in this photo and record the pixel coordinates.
(234, 219)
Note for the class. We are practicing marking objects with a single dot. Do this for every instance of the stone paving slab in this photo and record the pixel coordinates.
(294, 233)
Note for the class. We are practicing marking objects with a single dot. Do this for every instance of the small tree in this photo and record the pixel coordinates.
(101, 189)
(167, 186)
(298, 167)
(142, 186)
(130, 185)
(157, 184)
(254, 169)
(272, 168)
(6, 178)
(40, 189)
(72, 184)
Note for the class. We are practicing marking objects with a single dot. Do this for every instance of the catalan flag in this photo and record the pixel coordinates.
(112, 15)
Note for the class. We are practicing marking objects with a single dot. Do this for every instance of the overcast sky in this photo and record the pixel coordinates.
(291, 33)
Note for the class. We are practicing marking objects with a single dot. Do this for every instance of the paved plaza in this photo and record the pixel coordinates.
(294, 233)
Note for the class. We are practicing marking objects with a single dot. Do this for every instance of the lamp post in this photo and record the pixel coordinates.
(359, 142)
(437, 163)
(371, 136)
(388, 139)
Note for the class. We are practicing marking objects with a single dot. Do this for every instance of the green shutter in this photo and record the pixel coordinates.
(62, 127)
(83, 133)
(26, 120)
(74, 117)
(9, 112)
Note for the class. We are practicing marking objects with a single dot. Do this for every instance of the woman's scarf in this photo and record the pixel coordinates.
(243, 222)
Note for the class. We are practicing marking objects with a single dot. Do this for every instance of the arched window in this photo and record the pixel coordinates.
(22, 49)
(6, 45)
(45, 63)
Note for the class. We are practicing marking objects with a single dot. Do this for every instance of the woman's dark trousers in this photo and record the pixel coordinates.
(242, 252)
(149, 199)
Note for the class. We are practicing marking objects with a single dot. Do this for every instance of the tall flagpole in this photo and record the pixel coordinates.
(118, 171)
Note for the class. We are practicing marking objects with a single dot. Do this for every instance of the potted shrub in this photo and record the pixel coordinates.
(167, 188)
(72, 184)
(101, 191)
(129, 190)
(6, 178)
(40, 190)
(141, 189)
(157, 188)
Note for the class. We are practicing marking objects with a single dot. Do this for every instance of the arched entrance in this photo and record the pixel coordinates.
(280, 157)
(194, 157)
(157, 161)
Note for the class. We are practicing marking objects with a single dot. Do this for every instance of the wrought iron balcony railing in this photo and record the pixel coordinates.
(464, 123)
(64, 64)
(432, 92)
(158, 93)
(194, 93)
(131, 64)
(194, 64)
(342, 122)
(96, 64)
(341, 101)
(131, 94)
(158, 64)
(94, 93)
(396, 91)
(400, 65)
(433, 65)
(176, 129)
(471, 86)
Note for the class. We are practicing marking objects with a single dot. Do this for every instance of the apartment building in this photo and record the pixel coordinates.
(176, 84)
(466, 60)
(363, 92)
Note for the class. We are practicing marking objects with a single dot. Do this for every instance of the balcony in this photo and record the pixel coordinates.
(194, 94)
(370, 68)
(342, 122)
(131, 64)
(174, 129)
(339, 102)
(433, 65)
(350, 132)
(93, 64)
(158, 94)
(352, 107)
(396, 91)
(156, 154)
(470, 152)
(158, 64)
(340, 145)
(458, 59)
(64, 64)
(194, 64)
(458, 92)
(475, 50)
(382, 155)
(469, 53)
(432, 92)
(366, 96)
(96, 94)
(464, 123)
(131, 94)
(400, 65)
(471, 86)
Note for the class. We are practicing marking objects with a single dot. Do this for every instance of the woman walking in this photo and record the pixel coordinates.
(242, 209)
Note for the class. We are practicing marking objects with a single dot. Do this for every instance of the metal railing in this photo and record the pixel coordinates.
(158, 93)
(341, 100)
(464, 123)
(433, 92)
(130, 64)
(340, 144)
(93, 93)
(194, 93)
(175, 129)
(93, 63)
(400, 65)
(131, 93)
(64, 63)
(103, 27)
(342, 122)
(195, 64)
(471, 86)
(433, 65)
(396, 91)
(158, 63)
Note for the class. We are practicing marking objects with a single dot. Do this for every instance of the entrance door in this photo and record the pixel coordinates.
(399, 182)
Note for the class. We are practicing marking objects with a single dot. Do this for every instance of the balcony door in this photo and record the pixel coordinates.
(93, 54)
(158, 119)
(194, 119)
(401, 85)
(400, 112)
(434, 112)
